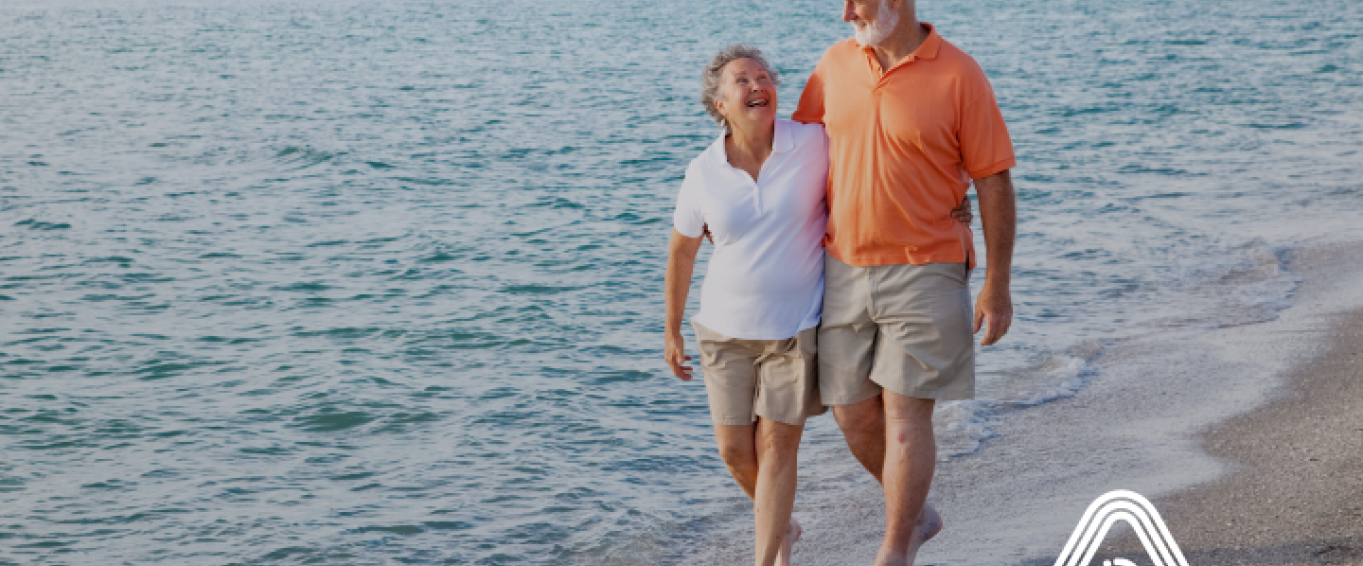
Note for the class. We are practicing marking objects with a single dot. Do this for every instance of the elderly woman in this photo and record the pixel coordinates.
(758, 191)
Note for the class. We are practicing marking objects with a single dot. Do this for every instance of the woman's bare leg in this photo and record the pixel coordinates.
(762, 459)
(777, 444)
(738, 449)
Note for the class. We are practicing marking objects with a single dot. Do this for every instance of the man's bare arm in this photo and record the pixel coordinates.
(998, 213)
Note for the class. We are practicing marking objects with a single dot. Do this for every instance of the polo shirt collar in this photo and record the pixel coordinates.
(931, 45)
(781, 143)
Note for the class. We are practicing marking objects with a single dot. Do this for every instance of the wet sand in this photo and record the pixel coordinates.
(1293, 494)
(1297, 495)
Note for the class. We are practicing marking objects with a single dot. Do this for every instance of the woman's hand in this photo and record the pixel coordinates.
(962, 213)
(675, 352)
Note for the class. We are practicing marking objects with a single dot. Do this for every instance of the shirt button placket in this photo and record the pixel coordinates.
(757, 194)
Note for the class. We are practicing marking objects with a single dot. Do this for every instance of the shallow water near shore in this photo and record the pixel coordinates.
(362, 283)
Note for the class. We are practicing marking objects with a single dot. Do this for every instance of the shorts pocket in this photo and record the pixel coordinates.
(781, 370)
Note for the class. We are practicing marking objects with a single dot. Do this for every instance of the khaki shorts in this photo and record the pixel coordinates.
(772, 379)
(902, 327)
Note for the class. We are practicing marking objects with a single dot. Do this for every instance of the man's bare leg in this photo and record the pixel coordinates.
(910, 457)
(752, 453)
(863, 425)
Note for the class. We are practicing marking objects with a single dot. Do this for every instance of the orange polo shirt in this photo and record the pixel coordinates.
(905, 144)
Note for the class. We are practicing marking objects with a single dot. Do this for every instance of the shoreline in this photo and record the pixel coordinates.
(1161, 419)
(1296, 496)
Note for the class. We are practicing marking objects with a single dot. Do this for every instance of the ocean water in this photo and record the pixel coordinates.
(324, 282)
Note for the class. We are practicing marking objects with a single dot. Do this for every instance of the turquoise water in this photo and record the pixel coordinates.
(371, 283)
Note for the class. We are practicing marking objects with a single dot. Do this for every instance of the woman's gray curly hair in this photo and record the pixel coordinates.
(712, 78)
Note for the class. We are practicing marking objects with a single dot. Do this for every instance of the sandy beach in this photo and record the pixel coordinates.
(1296, 496)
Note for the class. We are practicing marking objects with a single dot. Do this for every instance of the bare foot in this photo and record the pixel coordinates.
(792, 536)
(928, 525)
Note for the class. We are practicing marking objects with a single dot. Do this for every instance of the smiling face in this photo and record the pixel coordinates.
(747, 94)
(873, 20)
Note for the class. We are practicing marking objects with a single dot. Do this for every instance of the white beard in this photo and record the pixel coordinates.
(876, 32)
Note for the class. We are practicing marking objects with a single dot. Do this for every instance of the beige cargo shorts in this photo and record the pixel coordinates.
(906, 328)
(772, 379)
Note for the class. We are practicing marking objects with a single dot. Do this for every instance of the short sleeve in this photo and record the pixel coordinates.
(986, 147)
(689, 219)
(810, 108)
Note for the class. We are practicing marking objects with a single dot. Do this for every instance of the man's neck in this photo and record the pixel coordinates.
(902, 43)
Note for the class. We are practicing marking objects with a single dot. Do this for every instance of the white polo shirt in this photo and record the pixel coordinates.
(765, 280)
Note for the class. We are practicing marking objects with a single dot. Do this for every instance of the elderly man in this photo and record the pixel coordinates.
(912, 121)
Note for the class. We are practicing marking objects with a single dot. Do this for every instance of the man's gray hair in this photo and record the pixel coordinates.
(712, 78)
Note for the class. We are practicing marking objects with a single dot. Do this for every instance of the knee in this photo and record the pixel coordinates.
(778, 441)
(738, 455)
(862, 417)
(908, 411)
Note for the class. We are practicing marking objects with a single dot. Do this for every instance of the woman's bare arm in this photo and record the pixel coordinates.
(681, 260)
